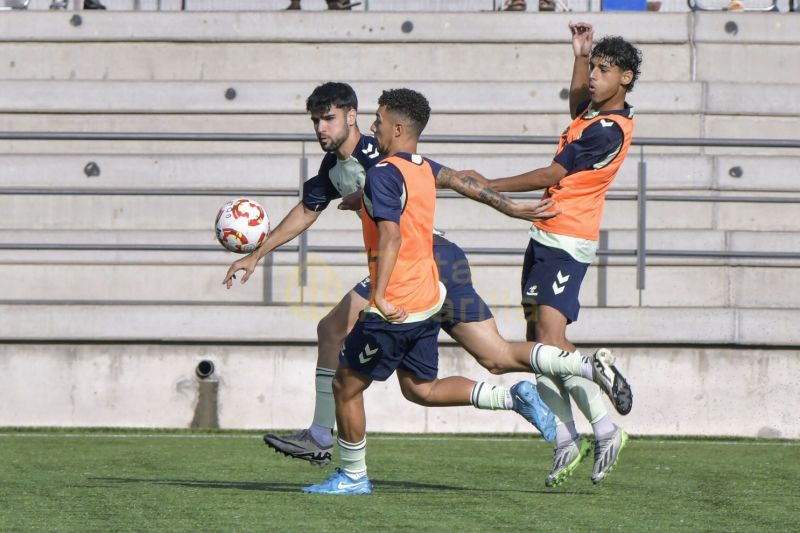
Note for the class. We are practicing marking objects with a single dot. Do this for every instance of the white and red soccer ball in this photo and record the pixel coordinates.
(242, 225)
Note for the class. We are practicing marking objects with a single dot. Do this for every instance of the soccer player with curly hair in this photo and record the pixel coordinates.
(561, 248)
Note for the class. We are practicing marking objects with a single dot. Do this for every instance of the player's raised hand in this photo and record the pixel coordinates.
(582, 33)
(248, 264)
(392, 312)
(533, 211)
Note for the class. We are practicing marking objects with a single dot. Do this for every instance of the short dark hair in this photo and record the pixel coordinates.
(620, 53)
(408, 103)
(334, 94)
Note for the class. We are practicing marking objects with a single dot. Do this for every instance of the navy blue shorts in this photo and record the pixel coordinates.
(463, 303)
(552, 277)
(376, 348)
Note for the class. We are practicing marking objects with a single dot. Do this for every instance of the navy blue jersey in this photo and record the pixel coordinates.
(600, 141)
(384, 189)
(337, 178)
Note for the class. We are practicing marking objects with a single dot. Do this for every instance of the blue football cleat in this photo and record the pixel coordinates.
(529, 404)
(341, 483)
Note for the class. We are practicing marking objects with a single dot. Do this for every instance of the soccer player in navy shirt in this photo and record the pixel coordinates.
(397, 331)
(589, 154)
(333, 109)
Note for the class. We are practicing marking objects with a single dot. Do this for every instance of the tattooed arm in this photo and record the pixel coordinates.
(472, 185)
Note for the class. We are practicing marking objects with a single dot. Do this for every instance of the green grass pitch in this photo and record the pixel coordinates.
(74, 480)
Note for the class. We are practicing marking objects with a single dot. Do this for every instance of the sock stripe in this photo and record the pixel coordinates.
(352, 446)
(535, 358)
(476, 393)
(325, 372)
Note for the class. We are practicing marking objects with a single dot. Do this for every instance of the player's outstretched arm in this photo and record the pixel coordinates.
(293, 224)
(473, 185)
(541, 178)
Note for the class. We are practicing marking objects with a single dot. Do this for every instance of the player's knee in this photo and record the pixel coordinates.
(497, 369)
(341, 392)
(499, 362)
(492, 365)
(329, 329)
(414, 394)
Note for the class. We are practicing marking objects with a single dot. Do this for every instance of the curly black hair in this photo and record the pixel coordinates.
(620, 53)
(409, 104)
(334, 94)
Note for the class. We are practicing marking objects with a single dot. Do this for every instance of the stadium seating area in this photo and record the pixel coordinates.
(107, 329)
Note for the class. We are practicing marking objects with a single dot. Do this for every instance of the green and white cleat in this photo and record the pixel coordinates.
(606, 453)
(611, 380)
(565, 460)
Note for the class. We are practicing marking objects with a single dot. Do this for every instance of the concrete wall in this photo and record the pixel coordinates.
(711, 391)
(112, 337)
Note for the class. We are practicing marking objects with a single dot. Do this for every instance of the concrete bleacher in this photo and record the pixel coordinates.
(127, 317)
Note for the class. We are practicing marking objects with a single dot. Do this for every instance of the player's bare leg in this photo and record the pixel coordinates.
(484, 342)
(499, 356)
(315, 444)
(456, 391)
(348, 390)
(334, 327)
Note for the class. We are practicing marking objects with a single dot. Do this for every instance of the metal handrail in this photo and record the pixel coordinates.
(641, 197)
(308, 137)
(699, 254)
(99, 191)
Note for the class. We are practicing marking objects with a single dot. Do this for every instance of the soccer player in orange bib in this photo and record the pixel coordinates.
(561, 248)
(398, 330)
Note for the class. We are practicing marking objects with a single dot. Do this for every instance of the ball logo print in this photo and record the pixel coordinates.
(242, 225)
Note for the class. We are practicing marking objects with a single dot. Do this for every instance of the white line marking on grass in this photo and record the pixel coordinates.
(421, 438)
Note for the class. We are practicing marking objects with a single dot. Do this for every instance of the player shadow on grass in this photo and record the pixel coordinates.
(270, 486)
(410, 486)
(387, 485)
(203, 484)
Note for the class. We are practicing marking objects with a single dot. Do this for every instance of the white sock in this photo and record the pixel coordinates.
(586, 367)
(566, 433)
(485, 396)
(604, 428)
(555, 362)
(353, 457)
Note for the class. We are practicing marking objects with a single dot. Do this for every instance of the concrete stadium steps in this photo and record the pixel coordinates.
(129, 46)
(112, 338)
(274, 97)
(474, 6)
(508, 249)
(167, 212)
(377, 26)
(152, 172)
(321, 235)
(613, 285)
(280, 26)
(695, 125)
(222, 324)
(667, 173)
(261, 61)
